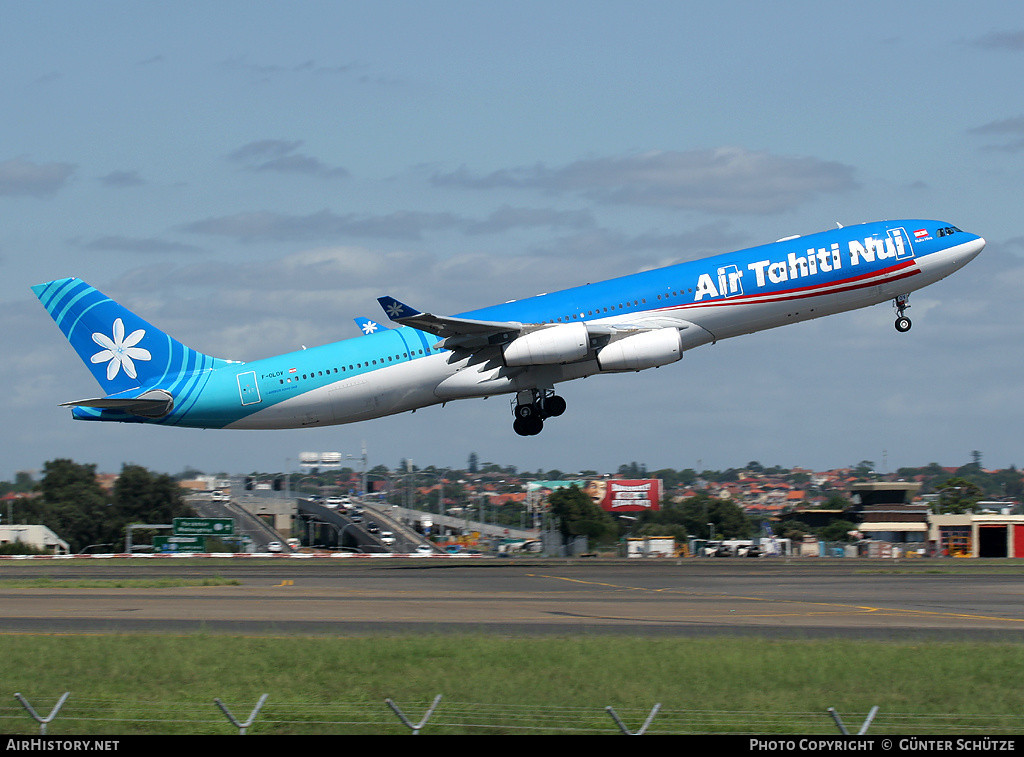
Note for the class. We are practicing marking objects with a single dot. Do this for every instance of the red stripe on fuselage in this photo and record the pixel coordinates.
(907, 267)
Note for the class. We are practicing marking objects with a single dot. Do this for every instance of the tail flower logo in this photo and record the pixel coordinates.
(120, 351)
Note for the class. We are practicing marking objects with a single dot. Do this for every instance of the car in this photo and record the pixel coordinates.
(274, 546)
(717, 549)
(387, 538)
(333, 502)
(373, 528)
(423, 550)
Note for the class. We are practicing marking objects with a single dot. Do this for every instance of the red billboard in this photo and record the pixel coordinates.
(619, 495)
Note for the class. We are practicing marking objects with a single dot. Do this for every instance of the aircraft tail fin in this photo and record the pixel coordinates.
(122, 351)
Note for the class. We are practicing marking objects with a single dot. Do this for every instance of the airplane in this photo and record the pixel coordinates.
(522, 347)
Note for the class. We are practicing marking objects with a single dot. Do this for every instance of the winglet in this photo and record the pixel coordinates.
(396, 310)
(368, 326)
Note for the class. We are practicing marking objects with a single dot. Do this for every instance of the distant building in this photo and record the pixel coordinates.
(814, 518)
(978, 535)
(886, 512)
(39, 537)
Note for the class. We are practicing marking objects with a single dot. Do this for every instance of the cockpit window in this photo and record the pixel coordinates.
(947, 230)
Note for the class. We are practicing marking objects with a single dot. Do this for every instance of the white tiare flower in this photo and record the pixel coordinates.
(120, 351)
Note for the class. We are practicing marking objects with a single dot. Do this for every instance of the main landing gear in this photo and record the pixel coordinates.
(531, 407)
(903, 323)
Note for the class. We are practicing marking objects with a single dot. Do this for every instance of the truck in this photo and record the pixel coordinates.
(651, 546)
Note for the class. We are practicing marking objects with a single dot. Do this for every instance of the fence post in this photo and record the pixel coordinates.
(241, 726)
(863, 729)
(42, 721)
(415, 728)
(622, 726)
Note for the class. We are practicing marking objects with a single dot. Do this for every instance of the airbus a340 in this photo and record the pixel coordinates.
(524, 347)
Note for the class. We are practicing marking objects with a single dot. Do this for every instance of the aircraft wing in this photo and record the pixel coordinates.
(444, 326)
(469, 333)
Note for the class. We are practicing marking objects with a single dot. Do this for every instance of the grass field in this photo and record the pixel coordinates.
(160, 684)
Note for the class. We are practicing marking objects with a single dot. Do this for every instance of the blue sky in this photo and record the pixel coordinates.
(251, 176)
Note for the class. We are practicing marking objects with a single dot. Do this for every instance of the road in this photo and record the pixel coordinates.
(951, 599)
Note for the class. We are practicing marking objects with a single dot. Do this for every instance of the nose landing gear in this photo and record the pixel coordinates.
(531, 407)
(901, 304)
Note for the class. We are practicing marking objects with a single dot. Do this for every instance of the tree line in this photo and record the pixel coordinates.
(72, 504)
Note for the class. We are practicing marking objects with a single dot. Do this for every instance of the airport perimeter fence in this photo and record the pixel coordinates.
(95, 717)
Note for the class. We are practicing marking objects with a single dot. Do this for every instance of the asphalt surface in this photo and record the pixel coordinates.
(772, 598)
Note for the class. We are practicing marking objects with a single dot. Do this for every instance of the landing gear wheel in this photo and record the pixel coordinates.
(529, 426)
(902, 304)
(531, 406)
(522, 412)
(553, 406)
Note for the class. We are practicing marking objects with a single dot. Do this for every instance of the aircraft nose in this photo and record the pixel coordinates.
(974, 247)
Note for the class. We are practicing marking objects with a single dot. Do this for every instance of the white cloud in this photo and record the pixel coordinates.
(1005, 128)
(264, 225)
(281, 156)
(148, 246)
(722, 180)
(20, 177)
(119, 179)
(1006, 40)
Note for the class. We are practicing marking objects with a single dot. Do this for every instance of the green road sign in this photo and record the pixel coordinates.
(179, 544)
(204, 526)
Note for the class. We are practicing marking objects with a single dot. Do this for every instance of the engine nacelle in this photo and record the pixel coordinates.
(557, 344)
(645, 350)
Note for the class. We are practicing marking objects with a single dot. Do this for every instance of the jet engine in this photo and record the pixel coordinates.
(647, 349)
(565, 343)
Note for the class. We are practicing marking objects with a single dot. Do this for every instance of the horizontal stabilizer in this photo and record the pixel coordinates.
(153, 404)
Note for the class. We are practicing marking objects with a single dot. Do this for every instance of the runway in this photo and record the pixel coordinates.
(951, 599)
